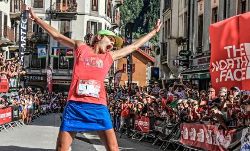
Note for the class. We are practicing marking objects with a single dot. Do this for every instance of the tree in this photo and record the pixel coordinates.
(143, 13)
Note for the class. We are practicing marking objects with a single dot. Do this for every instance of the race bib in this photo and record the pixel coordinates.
(88, 88)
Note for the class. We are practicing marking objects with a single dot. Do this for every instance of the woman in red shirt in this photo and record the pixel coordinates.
(86, 109)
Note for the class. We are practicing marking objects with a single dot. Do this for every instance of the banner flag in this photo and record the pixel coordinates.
(23, 28)
(230, 53)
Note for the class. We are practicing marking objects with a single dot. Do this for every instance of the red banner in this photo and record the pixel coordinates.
(4, 85)
(230, 52)
(142, 124)
(207, 137)
(5, 115)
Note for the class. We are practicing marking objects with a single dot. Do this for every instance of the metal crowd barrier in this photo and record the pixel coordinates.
(9, 118)
(186, 136)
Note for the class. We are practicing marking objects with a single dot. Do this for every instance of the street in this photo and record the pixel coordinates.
(41, 135)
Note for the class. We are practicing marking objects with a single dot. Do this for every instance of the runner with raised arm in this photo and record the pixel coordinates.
(86, 109)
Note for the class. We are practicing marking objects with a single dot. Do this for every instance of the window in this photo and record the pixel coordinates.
(225, 9)
(65, 28)
(64, 2)
(181, 25)
(38, 4)
(186, 3)
(37, 63)
(185, 26)
(37, 28)
(5, 26)
(15, 5)
(167, 5)
(94, 5)
(164, 47)
(109, 8)
(62, 58)
(93, 27)
(167, 28)
(215, 15)
(200, 32)
(241, 6)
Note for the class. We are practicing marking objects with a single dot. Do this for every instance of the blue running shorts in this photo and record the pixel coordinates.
(85, 117)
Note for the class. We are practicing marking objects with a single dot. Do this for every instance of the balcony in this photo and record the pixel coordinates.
(7, 33)
(60, 11)
(15, 9)
(39, 38)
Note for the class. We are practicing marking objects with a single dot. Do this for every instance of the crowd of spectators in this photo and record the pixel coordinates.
(180, 102)
(10, 68)
(33, 102)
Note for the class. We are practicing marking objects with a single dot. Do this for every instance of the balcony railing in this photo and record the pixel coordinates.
(15, 8)
(64, 7)
(7, 32)
(59, 11)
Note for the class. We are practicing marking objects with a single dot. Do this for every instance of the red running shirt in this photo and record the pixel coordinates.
(89, 66)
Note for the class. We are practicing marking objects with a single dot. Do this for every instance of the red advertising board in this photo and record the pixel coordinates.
(4, 85)
(142, 124)
(230, 52)
(207, 137)
(5, 115)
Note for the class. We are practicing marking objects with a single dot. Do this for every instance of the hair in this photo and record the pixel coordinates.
(88, 38)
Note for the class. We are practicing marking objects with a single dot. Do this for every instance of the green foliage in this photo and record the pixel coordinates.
(143, 13)
(130, 10)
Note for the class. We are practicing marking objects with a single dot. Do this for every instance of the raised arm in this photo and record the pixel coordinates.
(53, 32)
(137, 44)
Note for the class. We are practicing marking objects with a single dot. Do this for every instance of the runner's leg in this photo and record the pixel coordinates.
(108, 137)
(64, 140)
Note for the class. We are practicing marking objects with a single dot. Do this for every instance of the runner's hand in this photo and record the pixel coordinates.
(32, 14)
(158, 25)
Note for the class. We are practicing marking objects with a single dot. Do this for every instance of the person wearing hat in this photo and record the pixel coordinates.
(87, 94)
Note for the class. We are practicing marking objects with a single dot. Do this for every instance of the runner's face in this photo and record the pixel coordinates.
(108, 42)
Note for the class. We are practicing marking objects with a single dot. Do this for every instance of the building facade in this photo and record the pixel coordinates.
(141, 61)
(188, 49)
(72, 18)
